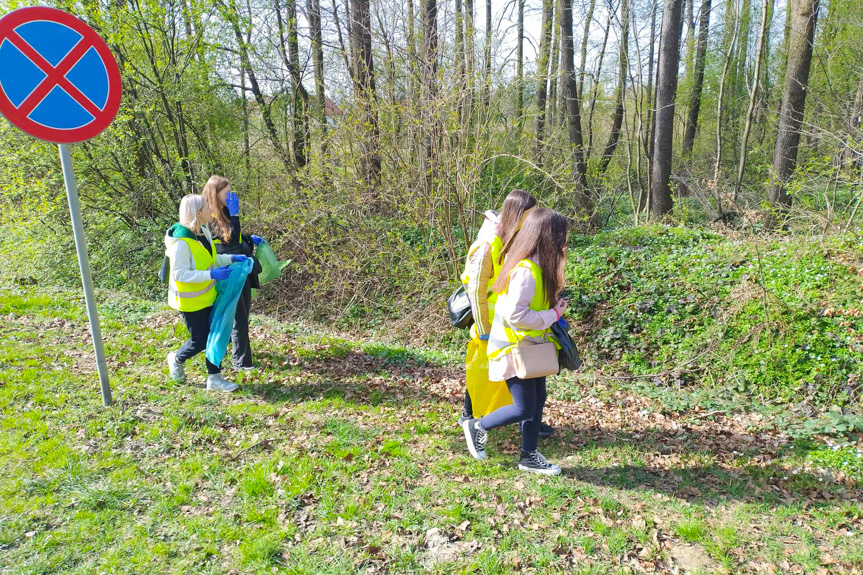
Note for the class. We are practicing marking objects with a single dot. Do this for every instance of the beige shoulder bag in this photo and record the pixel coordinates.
(535, 359)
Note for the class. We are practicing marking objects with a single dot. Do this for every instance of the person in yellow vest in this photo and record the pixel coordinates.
(195, 268)
(531, 277)
(484, 260)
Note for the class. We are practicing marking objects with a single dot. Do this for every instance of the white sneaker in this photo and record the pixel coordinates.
(216, 382)
(175, 368)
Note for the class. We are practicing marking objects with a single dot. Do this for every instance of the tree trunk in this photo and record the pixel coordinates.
(542, 76)
(364, 90)
(698, 79)
(588, 20)
(573, 112)
(314, 8)
(553, 74)
(470, 60)
(588, 149)
(650, 102)
(753, 95)
(519, 72)
(230, 14)
(803, 21)
(720, 104)
(460, 61)
(430, 122)
(486, 98)
(619, 96)
(666, 88)
(298, 91)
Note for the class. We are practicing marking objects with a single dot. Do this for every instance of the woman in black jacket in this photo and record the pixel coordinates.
(229, 240)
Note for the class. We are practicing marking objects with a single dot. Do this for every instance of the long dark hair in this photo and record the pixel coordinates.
(542, 239)
(514, 206)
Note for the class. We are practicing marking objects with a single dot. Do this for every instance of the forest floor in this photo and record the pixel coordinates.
(344, 456)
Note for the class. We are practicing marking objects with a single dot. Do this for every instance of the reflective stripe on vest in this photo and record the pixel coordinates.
(539, 302)
(496, 245)
(194, 296)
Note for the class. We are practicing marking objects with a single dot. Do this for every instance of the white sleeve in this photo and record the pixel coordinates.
(183, 266)
(223, 259)
(517, 312)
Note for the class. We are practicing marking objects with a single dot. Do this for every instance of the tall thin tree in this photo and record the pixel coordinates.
(542, 76)
(363, 66)
(620, 93)
(803, 20)
(666, 88)
(573, 113)
(698, 79)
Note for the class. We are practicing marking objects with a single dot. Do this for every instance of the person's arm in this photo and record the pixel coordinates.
(519, 294)
(224, 259)
(183, 265)
(480, 272)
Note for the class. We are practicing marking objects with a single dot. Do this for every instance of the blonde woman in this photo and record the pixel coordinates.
(195, 268)
(229, 240)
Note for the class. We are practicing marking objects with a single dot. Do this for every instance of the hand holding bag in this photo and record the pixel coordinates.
(535, 359)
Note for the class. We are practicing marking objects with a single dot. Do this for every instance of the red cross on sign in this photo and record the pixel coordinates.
(58, 78)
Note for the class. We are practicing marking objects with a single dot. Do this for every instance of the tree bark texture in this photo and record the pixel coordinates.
(364, 89)
(573, 112)
(669, 59)
(803, 20)
(542, 76)
(697, 80)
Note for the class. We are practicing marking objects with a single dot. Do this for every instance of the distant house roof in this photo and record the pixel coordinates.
(332, 109)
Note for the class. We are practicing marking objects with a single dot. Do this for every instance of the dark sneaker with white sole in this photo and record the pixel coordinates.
(462, 418)
(475, 436)
(534, 462)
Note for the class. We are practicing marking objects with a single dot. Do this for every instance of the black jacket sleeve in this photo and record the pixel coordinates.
(241, 245)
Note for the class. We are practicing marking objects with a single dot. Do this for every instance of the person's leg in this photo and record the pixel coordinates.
(240, 333)
(467, 409)
(532, 460)
(530, 427)
(198, 323)
(523, 407)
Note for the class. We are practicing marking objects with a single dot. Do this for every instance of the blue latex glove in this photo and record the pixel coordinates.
(563, 323)
(239, 258)
(257, 239)
(232, 200)
(221, 273)
(484, 337)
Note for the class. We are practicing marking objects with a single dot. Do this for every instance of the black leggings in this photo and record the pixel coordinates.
(198, 323)
(528, 400)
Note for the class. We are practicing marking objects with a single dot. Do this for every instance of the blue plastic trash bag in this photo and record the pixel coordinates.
(271, 268)
(222, 314)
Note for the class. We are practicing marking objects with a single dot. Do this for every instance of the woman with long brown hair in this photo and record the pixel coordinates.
(230, 240)
(482, 267)
(531, 278)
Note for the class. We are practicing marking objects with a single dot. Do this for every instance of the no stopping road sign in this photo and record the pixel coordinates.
(58, 78)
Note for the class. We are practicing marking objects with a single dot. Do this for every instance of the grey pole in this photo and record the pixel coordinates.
(84, 264)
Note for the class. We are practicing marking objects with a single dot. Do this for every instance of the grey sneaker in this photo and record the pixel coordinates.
(476, 437)
(175, 368)
(462, 418)
(534, 462)
(216, 382)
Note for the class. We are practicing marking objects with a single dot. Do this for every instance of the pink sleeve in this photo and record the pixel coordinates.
(521, 289)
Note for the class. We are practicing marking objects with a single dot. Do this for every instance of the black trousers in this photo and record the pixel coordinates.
(240, 333)
(198, 323)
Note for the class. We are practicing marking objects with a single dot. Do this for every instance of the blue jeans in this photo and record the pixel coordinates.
(528, 401)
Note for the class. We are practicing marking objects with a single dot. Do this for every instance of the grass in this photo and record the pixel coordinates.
(342, 456)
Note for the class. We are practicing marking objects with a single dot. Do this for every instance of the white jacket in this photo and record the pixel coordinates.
(183, 265)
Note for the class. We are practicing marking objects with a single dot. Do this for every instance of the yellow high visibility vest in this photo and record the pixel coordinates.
(496, 245)
(538, 303)
(194, 296)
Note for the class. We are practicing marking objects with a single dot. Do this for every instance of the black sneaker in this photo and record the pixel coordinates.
(536, 463)
(475, 437)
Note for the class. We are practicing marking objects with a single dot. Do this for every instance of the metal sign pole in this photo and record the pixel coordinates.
(84, 264)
